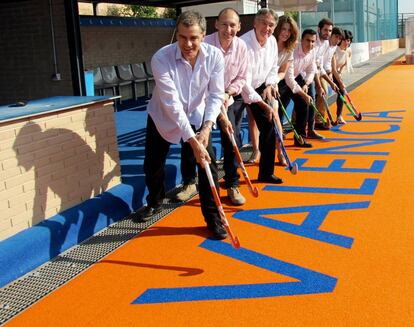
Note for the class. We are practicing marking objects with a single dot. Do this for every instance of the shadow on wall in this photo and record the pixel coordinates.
(68, 171)
(132, 155)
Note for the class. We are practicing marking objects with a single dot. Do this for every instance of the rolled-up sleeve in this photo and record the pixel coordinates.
(310, 72)
(290, 79)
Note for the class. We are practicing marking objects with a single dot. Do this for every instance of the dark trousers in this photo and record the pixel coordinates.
(267, 138)
(311, 111)
(339, 102)
(300, 108)
(230, 164)
(285, 96)
(156, 151)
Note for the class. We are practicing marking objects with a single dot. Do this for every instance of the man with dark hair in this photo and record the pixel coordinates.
(325, 27)
(298, 78)
(262, 78)
(342, 59)
(334, 39)
(234, 51)
(185, 104)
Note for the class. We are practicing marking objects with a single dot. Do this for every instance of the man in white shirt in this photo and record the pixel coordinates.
(298, 78)
(334, 39)
(186, 101)
(325, 26)
(235, 58)
(261, 85)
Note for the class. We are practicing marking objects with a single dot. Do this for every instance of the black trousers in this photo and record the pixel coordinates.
(301, 109)
(267, 138)
(339, 102)
(230, 164)
(156, 151)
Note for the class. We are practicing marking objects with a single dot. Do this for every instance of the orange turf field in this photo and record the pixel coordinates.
(365, 280)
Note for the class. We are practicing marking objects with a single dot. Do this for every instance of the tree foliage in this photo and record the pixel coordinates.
(142, 11)
(132, 11)
(293, 14)
(169, 13)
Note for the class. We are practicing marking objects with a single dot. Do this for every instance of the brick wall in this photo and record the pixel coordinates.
(106, 45)
(26, 51)
(56, 161)
(115, 45)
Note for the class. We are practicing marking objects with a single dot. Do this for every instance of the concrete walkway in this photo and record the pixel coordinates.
(367, 69)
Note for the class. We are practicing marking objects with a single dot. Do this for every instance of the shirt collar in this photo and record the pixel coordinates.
(218, 44)
(256, 43)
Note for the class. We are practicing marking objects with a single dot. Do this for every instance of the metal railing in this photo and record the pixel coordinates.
(402, 17)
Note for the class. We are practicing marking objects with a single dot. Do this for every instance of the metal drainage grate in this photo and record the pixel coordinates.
(30, 288)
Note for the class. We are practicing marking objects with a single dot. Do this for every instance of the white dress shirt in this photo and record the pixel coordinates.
(184, 96)
(284, 56)
(235, 62)
(327, 58)
(321, 47)
(263, 66)
(303, 64)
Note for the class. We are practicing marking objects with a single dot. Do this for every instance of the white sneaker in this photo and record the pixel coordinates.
(235, 196)
(187, 192)
(340, 120)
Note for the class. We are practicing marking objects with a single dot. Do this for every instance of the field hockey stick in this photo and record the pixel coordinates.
(252, 189)
(297, 136)
(351, 110)
(325, 101)
(357, 113)
(318, 112)
(293, 168)
(234, 239)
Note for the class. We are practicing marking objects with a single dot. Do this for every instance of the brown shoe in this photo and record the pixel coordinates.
(235, 196)
(314, 135)
(187, 192)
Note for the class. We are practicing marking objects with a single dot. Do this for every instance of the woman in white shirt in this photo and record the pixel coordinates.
(342, 55)
(286, 33)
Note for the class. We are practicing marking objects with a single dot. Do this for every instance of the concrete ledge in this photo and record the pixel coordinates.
(34, 246)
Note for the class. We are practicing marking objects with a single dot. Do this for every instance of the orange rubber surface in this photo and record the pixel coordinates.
(341, 254)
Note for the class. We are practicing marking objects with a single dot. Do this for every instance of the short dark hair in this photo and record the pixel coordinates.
(191, 18)
(348, 35)
(325, 21)
(338, 31)
(308, 31)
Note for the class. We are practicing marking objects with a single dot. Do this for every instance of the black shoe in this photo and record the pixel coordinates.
(321, 127)
(314, 135)
(146, 214)
(270, 179)
(303, 145)
(218, 230)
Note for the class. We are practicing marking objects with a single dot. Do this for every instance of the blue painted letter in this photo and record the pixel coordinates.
(309, 281)
(309, 227)
(337, 166)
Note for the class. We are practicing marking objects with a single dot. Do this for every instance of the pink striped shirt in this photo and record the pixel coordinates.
(235, 62)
